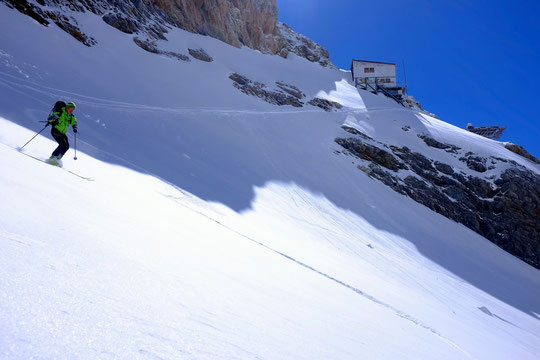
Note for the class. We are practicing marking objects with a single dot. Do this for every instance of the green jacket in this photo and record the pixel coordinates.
(61, 121)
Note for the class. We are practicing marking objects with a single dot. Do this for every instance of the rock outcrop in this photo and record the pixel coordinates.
(324, 104)
(45, 17)
(520, 150)
(251, 23)
(302, 46)
(285, 94)
(505, 210)
(151, 47)
(200, 54)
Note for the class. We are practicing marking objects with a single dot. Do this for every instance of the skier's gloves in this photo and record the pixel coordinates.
(75, 130)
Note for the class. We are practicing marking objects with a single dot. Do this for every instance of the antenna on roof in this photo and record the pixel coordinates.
(404, 72)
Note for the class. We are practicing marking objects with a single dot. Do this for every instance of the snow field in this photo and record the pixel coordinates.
(241, 234)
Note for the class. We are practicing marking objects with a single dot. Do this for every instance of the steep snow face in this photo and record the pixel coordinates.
(262, 240)
(127, 266)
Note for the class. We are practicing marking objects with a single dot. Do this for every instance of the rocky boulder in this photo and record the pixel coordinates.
(324, 104)
(200, 54)
(121, 23)
(284, 94)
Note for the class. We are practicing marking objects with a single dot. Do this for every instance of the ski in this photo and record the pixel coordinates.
(45, 161)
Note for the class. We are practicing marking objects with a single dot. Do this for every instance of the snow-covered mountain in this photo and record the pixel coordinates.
(247, 205)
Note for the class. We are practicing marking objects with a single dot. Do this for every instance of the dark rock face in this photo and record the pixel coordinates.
(475, 163)
(324, 104)
(290, 89)
(28, 9)
(200, 54)
(284, 95)
(505, 211)
(302, 46)
(121, 23)
(444, 168)
(439, 145)
(151, 47)
(370, 153)
(65, 24)
(520, 150)
(356, 132)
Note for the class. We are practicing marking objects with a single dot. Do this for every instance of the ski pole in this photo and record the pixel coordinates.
(75, 157)
(34, 137)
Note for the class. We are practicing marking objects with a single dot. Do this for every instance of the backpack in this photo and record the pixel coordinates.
(57, 108)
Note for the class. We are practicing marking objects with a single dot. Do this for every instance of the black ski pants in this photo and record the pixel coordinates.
(63, 143)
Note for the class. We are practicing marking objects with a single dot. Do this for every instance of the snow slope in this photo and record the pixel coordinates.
(231, 229)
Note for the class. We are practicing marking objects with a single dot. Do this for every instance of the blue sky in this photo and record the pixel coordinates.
(467, 61)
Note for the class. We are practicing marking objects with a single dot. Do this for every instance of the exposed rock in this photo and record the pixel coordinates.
(200, 54)
(411, 102)
(387, 178)
(151, 47)
(520, 150)
(276, 97)
(28, 9)
(356, 132)
(303, 46)
(290, 89)
(406, 128)
(416, 161)
(371, 153)
(444, 168)
(284, 53)
(42, 16)
(507, 212)
(121, 23)
(66, 24)
(324, 104)
(475, 163)
(146, 45)
(439, 145)
(237, 22)
(517, 202)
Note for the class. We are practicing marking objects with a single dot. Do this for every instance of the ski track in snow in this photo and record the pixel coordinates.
(98, 102)
(398, 312)
(59, 167)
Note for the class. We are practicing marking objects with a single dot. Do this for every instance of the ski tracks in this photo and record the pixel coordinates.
(369, 297)
(16, 84)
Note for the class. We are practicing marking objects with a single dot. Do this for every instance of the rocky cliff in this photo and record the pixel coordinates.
(252, 23)
(493, 196)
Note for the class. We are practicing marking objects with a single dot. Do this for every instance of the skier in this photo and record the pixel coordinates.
(61, 119)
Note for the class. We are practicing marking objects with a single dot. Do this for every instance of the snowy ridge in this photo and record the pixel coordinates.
(220, 226)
